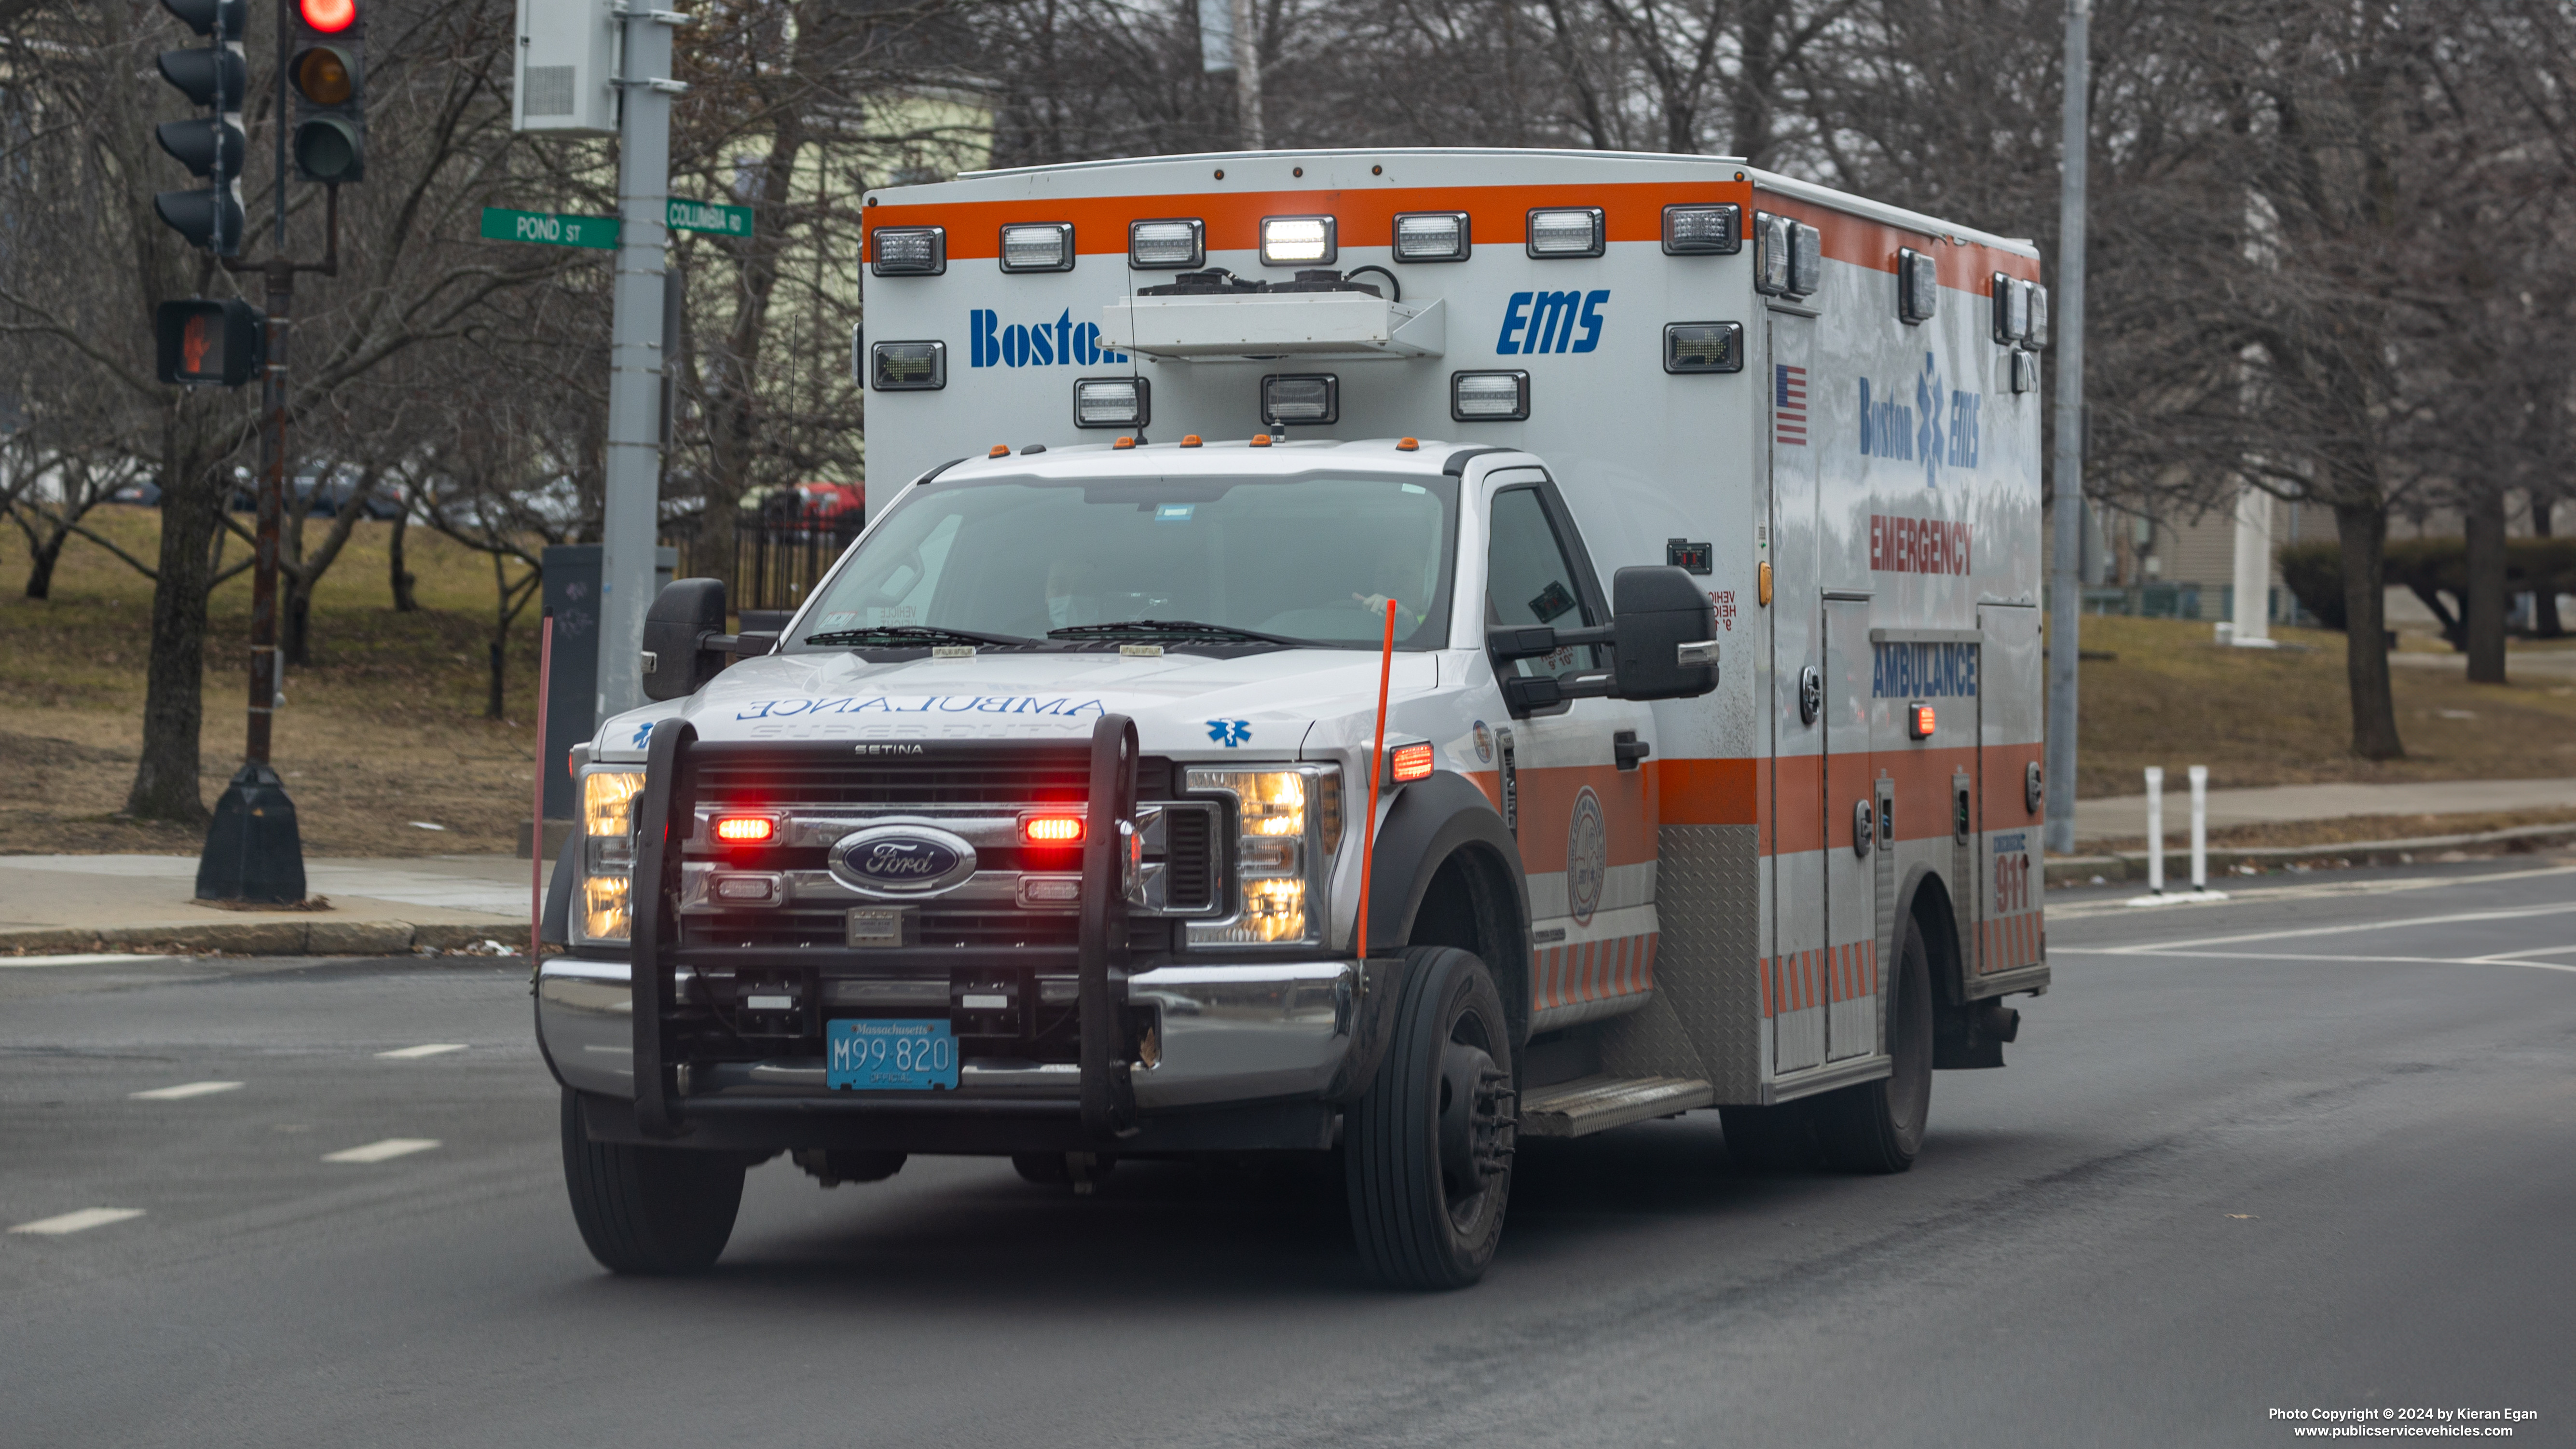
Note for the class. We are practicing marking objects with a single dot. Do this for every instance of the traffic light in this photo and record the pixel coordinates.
(328, 72)
(212, 79)
(220, 344)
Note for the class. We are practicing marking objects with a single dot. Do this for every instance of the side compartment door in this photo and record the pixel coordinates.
(1583, 816)
(1798, 833)
(1853, 843)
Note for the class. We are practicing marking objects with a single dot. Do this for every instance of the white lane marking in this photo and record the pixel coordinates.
(380, 1151)
(429, 1049)
(86, 958)
(183, 1091)
(2519, 913)
(2076, 911)
(78, 1222)
(2342, 960)
(2534, 951)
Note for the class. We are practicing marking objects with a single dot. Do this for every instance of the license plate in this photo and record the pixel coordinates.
(890, 1056)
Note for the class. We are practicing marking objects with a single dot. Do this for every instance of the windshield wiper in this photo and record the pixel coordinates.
(1150, 628)
(901, 634)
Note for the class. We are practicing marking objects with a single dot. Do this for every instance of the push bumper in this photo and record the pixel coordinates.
(1281, 1035)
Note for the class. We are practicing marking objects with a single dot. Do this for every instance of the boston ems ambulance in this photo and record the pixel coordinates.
(1387, 652)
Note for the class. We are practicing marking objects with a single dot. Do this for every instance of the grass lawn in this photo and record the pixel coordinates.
(385, 728)
(2173, 696)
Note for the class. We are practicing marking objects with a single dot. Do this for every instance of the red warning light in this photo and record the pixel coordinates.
(1052, 829)
(1412, 762)
(745, 829)
(1921, 721)
(328, 16)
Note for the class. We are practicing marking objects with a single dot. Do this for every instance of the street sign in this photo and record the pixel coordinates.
(711, 216)
(549, 229)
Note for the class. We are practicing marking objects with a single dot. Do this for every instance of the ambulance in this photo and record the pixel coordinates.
(1382, 653)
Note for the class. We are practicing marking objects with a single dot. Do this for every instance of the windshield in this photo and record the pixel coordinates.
(1310, 558)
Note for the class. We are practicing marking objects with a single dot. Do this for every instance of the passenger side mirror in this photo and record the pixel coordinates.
(1660, 628)
(685, 644)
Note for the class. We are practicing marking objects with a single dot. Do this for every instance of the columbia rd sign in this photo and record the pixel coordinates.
(551, 229)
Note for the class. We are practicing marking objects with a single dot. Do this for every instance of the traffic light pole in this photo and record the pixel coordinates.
(631, 514)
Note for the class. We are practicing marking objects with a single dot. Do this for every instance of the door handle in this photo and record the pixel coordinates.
(1627, 749)
(1864, 826)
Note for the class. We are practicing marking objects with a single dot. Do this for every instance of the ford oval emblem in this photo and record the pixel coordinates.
(902, 860)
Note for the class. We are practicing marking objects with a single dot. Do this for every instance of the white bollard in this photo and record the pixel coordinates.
(2200, 827)
(2156, 829)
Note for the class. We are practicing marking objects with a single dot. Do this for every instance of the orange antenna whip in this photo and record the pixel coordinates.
(1377, 752)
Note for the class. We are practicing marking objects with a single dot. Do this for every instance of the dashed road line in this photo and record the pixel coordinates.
(2177, 955)
(183, 1091)
(78, 1222)
(429, 1049)
(389, 1148)
(2239, 896)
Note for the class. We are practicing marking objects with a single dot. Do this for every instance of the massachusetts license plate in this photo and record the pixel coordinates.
(890, 1056)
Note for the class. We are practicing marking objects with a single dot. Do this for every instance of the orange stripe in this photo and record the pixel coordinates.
(1873, 244)
(1707, 792)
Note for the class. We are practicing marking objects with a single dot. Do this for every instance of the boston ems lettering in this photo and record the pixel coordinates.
(921, 704)
(1038, 344)
(1550, 319)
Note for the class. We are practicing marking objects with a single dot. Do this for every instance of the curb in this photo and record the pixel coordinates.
(2132, 865)
(259, 938)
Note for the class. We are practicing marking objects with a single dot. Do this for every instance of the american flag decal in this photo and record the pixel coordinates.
(1789, 405)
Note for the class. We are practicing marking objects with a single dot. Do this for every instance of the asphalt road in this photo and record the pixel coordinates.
(2322, 1155)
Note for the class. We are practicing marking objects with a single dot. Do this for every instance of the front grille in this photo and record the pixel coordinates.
(953, 928)
(1189, 875)
(1043, 778)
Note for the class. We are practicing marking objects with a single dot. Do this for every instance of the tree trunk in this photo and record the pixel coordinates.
(2363, 528)
(2482, 607)
(297, 617)
(193, 493)
(401, 578)
(40, 565)
(492, 707)
(2544, 600)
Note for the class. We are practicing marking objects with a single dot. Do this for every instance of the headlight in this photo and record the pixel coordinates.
(1287, 827)
(607, 851)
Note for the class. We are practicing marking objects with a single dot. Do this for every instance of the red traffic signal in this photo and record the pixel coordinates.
(210, 344)
(328, 16)
(328, 73)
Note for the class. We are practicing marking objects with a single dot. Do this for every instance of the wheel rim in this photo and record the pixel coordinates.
(1476, 1118)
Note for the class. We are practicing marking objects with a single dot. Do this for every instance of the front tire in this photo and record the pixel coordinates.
(1428, 1151)
(1878, 1126)
(648, 1211)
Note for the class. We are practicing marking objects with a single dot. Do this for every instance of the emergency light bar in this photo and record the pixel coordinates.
(1431, 236)
(1313, 398)
(1571, 232)
(1298, 241)
(1918, 286)
(908, 366)
(1170, 245)
(908, 251)
(1703, 347)
(1045, 246)
(1112, 402)
(1703, 231)
(1489, 397)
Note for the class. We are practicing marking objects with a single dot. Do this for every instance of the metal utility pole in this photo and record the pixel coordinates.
(2066, 585)
(632, 513)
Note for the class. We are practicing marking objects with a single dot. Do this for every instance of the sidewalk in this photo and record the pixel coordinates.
(2125, 816)
(71, 903)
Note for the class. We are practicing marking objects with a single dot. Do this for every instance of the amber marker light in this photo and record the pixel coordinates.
(1051, 829)
(1922, 721)
(1407, 445)
(745, 829)
(1000, 450)
(1190, 440)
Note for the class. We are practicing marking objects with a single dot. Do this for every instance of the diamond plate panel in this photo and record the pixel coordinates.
(1709, 903)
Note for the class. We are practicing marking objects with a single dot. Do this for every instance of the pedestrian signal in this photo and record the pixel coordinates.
(210, 344)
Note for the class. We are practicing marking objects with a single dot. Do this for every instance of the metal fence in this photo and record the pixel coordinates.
(775, 560)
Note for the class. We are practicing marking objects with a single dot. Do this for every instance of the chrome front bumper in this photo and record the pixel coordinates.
(1228, 1034)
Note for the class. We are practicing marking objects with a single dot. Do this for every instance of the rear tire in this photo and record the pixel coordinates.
(648, 1211)
(1427, 1154)
(1878, 1126)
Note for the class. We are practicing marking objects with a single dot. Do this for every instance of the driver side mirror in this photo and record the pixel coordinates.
(685, 644)
(1660, 623)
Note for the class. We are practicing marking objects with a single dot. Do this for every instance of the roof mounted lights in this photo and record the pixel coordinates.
(1298, 241)
(1788, 257)
(1918, 286)
(1309, 399)
(2011, 308)
(908, 366)
(1703, 347)
(2036, 336)
(1703, 231)
(1570, 231)
(908, 251)
(1113, 402)
(1489, 397)
(2025, 371)
(1038, 246)
(1806, 260)
(1431, 236)
(1174, 244)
